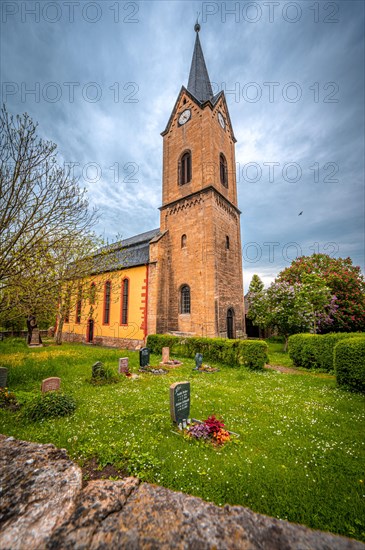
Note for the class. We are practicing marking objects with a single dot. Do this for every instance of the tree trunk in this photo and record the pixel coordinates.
(58, 335)
(286, 343)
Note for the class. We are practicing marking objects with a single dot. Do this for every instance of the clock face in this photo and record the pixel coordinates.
(184, 117)
(221, 120)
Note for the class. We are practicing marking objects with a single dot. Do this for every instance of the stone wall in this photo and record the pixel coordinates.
(43, 505)
(108, 341)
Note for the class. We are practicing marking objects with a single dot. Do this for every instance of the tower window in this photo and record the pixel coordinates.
(223, 170)
(183, 241)
(227, 242)
(125, 299)
(185, 299)
(107, 293)
(185, 168)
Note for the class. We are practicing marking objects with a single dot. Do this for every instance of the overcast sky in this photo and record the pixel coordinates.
(101, 78)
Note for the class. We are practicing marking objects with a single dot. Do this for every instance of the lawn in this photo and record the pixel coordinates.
(300, 454)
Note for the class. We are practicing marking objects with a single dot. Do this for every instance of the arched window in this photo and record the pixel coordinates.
(185, 168)
(183, 241)
(92, 294)
(185, 299)
(223, 170)
(227, 242)
(107, 295)
(125, 299)
(78, 306)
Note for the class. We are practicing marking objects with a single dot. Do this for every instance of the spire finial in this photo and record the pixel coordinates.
(197, 26)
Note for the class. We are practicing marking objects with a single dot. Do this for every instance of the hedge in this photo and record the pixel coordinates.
(252, 354)
(316, 350)
(349, 363)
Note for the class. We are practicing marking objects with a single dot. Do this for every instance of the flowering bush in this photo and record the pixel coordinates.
(212, 429)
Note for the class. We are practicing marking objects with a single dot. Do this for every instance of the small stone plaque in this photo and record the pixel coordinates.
(123, 365)
(144, 357)
(51, 384)
(3, 377)
(198, 360)
(165, 355)
(180, 403)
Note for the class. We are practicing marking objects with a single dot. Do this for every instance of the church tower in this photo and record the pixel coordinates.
(197, 262)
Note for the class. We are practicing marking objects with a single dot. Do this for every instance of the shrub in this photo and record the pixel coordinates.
(51, 404)
(253, 354)
(349, 363)
(155, 342)
(8, 400)
(102, 375)
(316, 350)
(250, 353)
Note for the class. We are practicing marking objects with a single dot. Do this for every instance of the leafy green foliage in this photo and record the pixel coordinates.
(251, 354)
(345, 282)
(102, 374)
(316, 351)
(292, 308)
(8, 399)
(49, 405)
(349, 362)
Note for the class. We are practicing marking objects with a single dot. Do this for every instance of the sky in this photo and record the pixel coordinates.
(101, 79)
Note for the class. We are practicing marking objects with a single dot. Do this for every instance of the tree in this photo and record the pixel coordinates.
(45, 222)
(343, 279)
(256, 285)
(292, 308)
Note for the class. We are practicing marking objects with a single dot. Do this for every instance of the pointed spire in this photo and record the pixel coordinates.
(199, 83)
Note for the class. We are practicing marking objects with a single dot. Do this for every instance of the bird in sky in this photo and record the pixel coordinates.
(300, 213)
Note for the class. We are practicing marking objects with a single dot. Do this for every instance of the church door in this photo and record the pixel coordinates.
(230, 323)
(90, 330)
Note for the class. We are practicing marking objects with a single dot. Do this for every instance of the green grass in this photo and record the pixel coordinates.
(300, 453)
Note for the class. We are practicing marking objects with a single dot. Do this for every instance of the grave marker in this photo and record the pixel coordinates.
(144, 357)
(3, 377)
(123, 365)
(51, 384)
(165, 355)
(180, 403)
(198, 361)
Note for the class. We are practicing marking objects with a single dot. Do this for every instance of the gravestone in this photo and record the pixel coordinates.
(123, 365)
(97, 369)
(198, 361)
(180, 403)
(165, 355)
(144, 357)
(51, 384)
(35, 338)
(3, 377)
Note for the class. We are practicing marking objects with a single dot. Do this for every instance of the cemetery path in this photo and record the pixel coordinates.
(288, 370)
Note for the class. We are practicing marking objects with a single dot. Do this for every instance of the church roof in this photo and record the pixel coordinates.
(199, 83)
(129, 252)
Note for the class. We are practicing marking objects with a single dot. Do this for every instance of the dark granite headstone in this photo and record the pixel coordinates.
(97, 369)
(180, 403)
(3, 377)
(144, 357)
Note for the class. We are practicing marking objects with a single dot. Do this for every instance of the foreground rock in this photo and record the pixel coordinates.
(43, 505)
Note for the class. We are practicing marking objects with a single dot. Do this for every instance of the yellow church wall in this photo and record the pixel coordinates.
(114, 332)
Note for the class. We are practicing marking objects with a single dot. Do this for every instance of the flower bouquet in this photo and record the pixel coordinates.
(211, 429)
